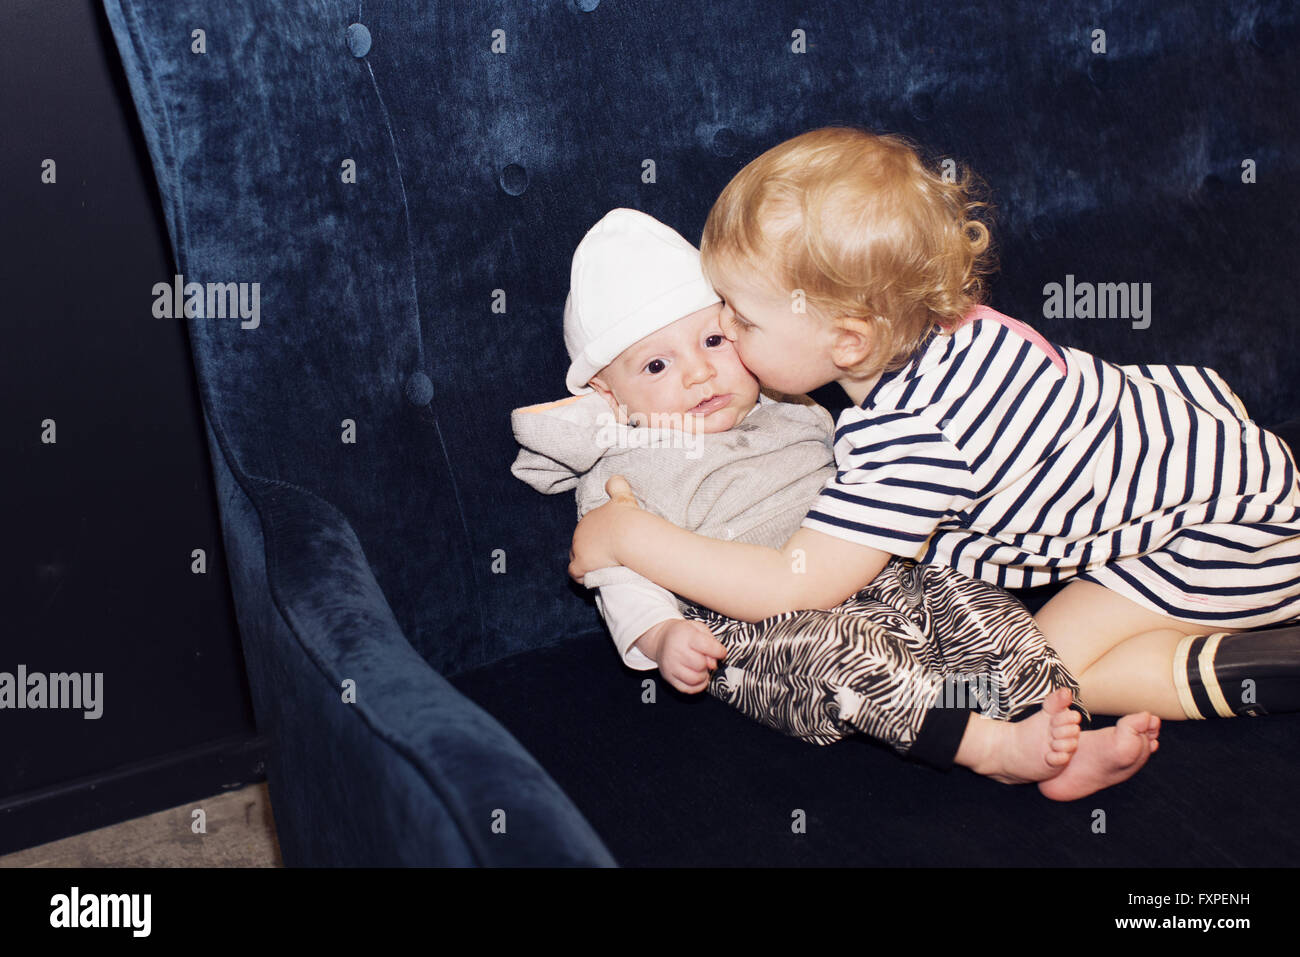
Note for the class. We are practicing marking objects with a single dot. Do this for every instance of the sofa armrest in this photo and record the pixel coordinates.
(411, 772)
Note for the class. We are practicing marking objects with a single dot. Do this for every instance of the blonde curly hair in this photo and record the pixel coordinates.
(865, 227)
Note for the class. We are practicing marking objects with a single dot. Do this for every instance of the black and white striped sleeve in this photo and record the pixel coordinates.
(898, 477)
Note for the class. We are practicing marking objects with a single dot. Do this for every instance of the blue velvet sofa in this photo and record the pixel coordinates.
(405, 183)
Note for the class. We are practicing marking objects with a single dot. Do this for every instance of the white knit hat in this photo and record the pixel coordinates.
(631, 276)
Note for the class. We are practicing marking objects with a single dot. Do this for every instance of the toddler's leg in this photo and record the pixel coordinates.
(1221, 674)
(1249, 672)
(1128, 658)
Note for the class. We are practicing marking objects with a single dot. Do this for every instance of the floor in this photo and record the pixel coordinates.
(240, 832)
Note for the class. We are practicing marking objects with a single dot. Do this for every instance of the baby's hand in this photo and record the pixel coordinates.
(687, 652)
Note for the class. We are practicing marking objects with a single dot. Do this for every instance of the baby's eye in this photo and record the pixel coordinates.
(741, 323)
(719, 336)
(651, 363)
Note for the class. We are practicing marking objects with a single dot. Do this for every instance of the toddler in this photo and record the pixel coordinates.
(975, 443)
(662, 397)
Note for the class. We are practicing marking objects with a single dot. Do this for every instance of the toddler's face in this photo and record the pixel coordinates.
(667, 376)
(788, 351)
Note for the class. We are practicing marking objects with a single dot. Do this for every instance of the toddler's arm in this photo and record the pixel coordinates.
(742, 581)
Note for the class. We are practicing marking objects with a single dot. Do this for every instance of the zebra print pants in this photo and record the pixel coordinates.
(918, 637)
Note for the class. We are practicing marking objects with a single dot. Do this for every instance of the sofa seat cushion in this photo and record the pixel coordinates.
(687, 781)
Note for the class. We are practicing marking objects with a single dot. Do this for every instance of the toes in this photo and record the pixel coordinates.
(1135, 723)
(1057, 701)
(1066, 717)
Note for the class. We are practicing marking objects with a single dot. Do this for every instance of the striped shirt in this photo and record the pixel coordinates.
(1022, 463)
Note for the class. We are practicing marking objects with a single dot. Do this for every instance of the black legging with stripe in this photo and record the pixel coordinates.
(905, 660)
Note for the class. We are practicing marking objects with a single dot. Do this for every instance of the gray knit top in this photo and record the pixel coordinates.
(753, 483)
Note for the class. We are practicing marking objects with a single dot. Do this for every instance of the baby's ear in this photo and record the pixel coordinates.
(605, 393)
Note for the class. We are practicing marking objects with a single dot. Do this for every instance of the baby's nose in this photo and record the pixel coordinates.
(700, 370)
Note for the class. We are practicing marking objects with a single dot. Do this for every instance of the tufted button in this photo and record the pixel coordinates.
(1207, 192)
(724, 143)
(419, 389)
(358, 39)
(1098, 70)
(514, 179)
(1043, 228)
(1263, 36)
(922, 106)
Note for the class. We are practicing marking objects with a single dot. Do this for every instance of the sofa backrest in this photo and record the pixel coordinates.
(406, 183)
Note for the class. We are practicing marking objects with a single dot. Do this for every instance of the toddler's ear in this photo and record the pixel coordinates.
(854, 340)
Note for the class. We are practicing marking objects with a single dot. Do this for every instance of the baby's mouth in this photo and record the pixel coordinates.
(710, 405)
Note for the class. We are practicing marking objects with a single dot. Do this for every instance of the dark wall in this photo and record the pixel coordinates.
(100, 525)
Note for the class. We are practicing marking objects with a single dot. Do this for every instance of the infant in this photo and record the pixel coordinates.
(661, 397)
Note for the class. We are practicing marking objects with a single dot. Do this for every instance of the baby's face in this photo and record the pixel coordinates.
(667, 376)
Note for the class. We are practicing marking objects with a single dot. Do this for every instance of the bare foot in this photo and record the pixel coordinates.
(1035, 749)
(1106, 757)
